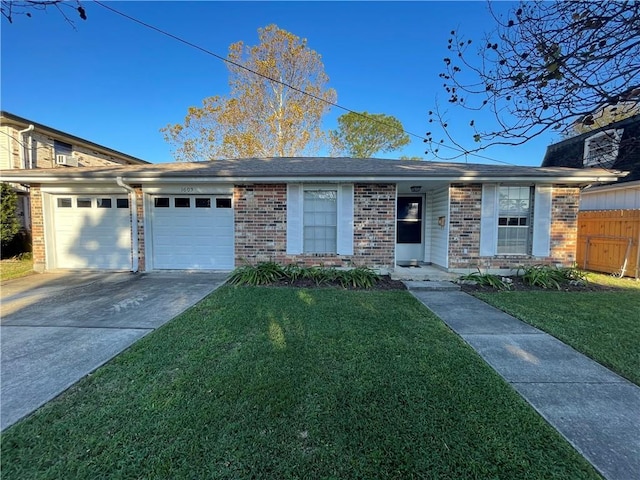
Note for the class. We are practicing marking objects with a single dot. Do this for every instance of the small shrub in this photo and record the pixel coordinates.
(270, 272)
(261, 274)
(488, 280)
(550, 276)
(293, 272)
(360, 277)
(317, 274)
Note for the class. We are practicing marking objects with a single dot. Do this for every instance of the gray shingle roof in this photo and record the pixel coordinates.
(309, 168)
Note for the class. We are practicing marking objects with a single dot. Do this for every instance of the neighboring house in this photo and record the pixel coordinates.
(609, 227)
(25, 144)
(314, 211)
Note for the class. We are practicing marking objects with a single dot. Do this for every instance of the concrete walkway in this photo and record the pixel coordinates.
(597, 411)
(57, 328)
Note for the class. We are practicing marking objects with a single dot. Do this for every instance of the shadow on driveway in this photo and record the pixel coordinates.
(57, 328)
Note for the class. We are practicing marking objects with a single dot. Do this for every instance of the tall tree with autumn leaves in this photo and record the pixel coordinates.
(274, 112)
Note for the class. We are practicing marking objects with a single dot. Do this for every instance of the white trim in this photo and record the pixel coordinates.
(541, 240)
(295, 231)
(580, 177)
(344, 231)
(489, 220)
(189, 188)
(75, 190)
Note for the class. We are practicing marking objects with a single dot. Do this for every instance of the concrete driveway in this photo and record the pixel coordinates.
(56, 328)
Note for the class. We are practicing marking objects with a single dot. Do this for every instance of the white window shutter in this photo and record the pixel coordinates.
(345, 220)
(541, 221)
(295, 199)
(489, 220)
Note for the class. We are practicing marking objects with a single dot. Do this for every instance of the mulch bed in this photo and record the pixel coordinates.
(385, 283)
(519, 285)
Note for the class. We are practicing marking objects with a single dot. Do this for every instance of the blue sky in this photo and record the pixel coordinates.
(117, 83)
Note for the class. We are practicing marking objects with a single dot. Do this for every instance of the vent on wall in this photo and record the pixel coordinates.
(66, 160)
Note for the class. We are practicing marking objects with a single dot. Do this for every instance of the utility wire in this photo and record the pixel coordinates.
(292, 87)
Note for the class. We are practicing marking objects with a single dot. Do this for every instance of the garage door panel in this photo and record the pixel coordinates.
(91, 237)
(192, 238)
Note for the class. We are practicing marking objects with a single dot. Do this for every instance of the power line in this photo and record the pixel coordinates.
(292, 87)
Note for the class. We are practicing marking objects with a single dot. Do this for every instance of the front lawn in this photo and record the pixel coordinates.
(604, 325)
(16, 267)
(258, 382)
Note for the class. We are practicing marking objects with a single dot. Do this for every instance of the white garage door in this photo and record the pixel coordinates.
(92, 231)
(192, 232)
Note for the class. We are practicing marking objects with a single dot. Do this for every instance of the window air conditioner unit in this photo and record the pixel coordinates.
(66, 160)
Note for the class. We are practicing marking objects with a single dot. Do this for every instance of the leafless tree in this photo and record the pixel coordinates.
(12, 8)
(546, 66)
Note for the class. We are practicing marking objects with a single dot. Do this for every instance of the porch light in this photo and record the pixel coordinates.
(415, 188)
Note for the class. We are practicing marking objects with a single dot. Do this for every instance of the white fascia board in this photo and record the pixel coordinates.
(308, 179)
(332, 179)
(615, 186)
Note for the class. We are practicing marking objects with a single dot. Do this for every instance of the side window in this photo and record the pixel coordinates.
(62, 148)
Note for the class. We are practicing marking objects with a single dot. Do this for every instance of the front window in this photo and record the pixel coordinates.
(320, 220)
(514, 220)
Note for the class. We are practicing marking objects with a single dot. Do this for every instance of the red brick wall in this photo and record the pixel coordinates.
(37, 229)
(374, 226)
(464, 230)
(564, 224)
(261, 227)
(260, 215)
(139, 230)
(464, 224)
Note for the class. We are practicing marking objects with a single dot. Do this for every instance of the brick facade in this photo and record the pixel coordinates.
(374, 224)
(564, 224)
(260, 212)
(37, 229)
(464, 230)
(140, 227)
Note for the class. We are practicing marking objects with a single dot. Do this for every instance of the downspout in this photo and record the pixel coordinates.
(25, 148)
(134, 222)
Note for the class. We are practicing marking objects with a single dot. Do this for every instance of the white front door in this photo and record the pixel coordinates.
(410, 229)
(192, 232)
(92, 232)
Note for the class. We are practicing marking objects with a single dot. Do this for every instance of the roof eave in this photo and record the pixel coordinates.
(172, 179)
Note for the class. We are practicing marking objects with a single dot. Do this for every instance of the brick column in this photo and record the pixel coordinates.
(139, 228)
(37, 229)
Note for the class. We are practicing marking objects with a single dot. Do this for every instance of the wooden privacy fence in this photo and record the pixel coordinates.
(608, 241)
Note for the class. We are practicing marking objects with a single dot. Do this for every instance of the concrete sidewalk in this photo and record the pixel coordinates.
(597, 411)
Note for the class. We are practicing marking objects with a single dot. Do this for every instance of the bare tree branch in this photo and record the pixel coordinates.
(544, 67)
(10, 8)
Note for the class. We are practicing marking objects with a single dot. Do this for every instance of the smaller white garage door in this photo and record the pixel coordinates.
(192, 232)
(92, 231)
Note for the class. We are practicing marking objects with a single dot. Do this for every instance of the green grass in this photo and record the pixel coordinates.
(604, 325)
(16, 267)
(288, 383)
